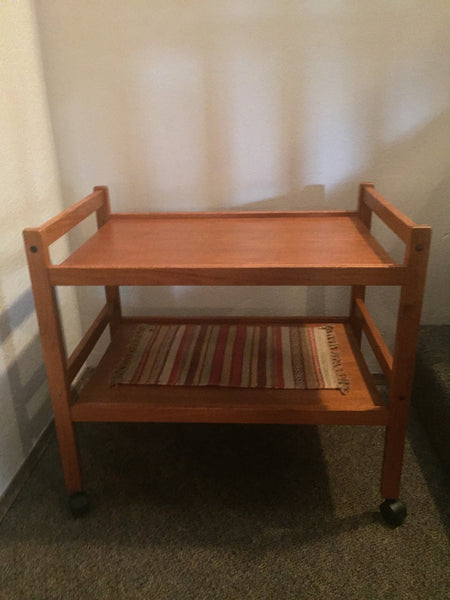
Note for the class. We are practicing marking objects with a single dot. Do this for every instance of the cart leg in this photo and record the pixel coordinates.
(68, 450)
(399, 400)
(394, 447)
(407, 332)
(392, 510)
(55, 360)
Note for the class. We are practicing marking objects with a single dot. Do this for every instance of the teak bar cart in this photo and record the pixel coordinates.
(232, 248)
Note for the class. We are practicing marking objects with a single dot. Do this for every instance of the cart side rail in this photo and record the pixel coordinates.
(375, 339)
(37, 241)
(370, 201)
(53, 229)
(417, 244)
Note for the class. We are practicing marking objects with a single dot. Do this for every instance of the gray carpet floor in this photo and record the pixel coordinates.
(229, 512)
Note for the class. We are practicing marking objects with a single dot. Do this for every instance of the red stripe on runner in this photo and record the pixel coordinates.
(261, 378)
(145, 354)
(196, 355)
(278, 358)
(179, 357)
(217, 364)
(315, 357)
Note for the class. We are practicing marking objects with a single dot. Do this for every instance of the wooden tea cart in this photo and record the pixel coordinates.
(301, 248)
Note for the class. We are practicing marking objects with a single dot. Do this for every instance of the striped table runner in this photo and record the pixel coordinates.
(248, 356)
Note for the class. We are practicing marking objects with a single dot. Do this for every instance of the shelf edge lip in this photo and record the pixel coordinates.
(138, 411)
(117, 216)
(270, 319)
(192, 275)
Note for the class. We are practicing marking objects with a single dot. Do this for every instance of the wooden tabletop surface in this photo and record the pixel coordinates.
(229, 240)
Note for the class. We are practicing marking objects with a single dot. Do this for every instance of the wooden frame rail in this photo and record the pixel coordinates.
(37, 242)
(56, 227)
(391, 216)
(369, 202)
(87, 343)
(375, 339)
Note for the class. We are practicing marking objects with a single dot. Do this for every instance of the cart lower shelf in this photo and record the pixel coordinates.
(99, 401)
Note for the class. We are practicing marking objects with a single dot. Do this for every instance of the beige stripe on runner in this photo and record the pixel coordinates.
(325, 360)
(308, 361)
(201, 361)
(154, 352)
(228, 356)
(167, 370)
(247, 357)
(254, 358)
(297, 359)
(269, 356)
(161, 358)
(193, 334)
(209, 357)
(287, 359)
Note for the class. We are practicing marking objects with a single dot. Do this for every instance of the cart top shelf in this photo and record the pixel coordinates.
(233, 248)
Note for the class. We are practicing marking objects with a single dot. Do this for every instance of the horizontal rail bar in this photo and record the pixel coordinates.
(56, 227)
(234, 319)
(375, 339)
(326, 275)
(391, 216)
(231, 214)
(87, 343)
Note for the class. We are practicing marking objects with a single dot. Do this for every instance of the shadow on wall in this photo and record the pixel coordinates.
(24, 379)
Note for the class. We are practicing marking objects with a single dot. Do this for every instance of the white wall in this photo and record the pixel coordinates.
(30, 193)
(196, 105)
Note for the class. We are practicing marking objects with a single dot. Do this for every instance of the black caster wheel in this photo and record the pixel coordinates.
(393, 511)
(79, 504)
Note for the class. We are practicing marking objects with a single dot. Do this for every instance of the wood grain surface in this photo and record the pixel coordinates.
(230, 249)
